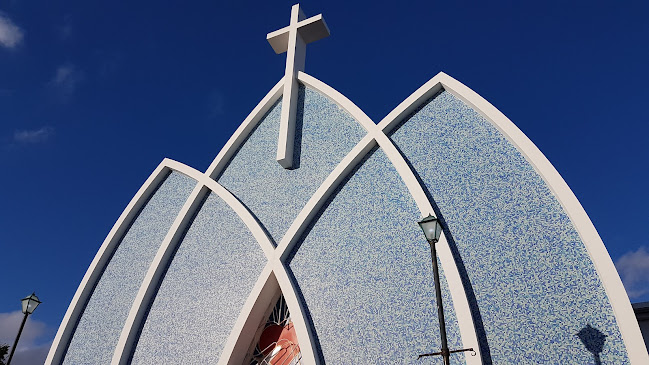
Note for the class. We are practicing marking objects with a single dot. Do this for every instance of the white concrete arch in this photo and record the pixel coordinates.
(375, 135)
(165, 252)
(240, 336)
(244, 214)
(604, 266)
(251, 316)
(264, 288)
(241, 134)
(273, 280)
(98, 264)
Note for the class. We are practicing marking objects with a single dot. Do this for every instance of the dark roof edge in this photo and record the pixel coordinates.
(641, 310)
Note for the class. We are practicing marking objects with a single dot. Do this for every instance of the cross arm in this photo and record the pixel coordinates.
(311, 30)
(279, 39)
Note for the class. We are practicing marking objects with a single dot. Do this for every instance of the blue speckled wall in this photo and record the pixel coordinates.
(276, 195)
(102, 321)
(534, 283)
(365, 273)
(217, 264)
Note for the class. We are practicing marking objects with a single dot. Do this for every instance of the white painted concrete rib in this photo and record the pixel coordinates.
(93, 274)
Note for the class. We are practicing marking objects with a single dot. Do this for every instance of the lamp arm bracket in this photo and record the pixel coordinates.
(473, 353)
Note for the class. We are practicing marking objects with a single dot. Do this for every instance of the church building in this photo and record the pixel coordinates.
(300, 244)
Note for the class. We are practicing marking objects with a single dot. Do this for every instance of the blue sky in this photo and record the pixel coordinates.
(93, 95)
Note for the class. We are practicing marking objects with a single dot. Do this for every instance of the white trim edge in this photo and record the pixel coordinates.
(230, 148)
(93, 274)
(154, 274)
(251, 316)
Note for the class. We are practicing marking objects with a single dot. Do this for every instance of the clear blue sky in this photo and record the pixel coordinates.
(94, 94)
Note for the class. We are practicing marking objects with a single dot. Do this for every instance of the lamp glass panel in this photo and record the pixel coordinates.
(30, 303)
(431, 227)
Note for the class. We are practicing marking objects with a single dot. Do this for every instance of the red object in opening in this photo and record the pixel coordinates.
(280, 340)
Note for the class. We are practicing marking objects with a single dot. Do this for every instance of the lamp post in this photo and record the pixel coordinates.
(432, 230)
(29, 305)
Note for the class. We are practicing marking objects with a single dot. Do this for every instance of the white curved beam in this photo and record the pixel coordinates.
(604, 266)
(93, 274)
(305, 338)
(411, 103)
(251, 316)
(221, 160)
(165, 252)
(244, 214)
(324, 191)
(384, 142)
(339, 99)
(154, 274)
(275, 267)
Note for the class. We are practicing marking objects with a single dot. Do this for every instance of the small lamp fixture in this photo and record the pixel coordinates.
(30, 303)
(29, 306)
(432, 228)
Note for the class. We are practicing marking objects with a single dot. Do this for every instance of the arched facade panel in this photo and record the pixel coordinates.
(325, 134)
(532, 275)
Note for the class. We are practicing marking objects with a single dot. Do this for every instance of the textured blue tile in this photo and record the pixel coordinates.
(533, 280)
(276, 195)
(203, 291)
(103, 318)
(364, 271)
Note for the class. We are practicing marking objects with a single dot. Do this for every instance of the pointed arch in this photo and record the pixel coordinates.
(93, 274)
(155, 273)
(251, 315)
(597, 252)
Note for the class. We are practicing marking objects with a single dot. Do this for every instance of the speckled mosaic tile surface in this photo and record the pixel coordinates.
(534, 282)
(203, 291)
(276, 195)
(364, 271)
(102, 321)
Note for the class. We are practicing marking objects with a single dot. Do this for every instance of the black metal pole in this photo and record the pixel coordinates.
(17, 337)
(440, 308)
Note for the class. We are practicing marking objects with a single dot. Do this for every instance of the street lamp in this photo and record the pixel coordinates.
(432, 230)
(29, 305)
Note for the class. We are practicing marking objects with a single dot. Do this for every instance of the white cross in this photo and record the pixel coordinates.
(293, 40)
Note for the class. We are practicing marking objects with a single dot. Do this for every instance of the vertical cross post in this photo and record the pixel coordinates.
(293, 40)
